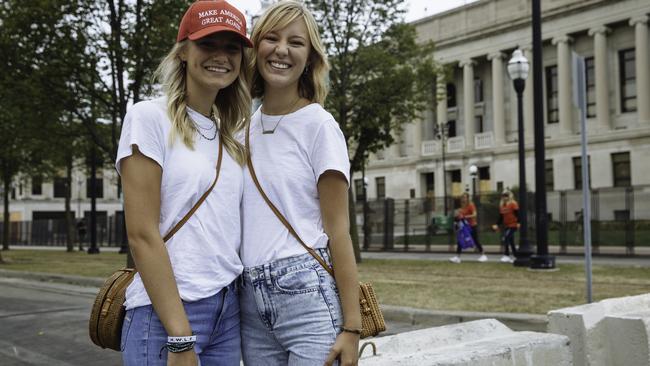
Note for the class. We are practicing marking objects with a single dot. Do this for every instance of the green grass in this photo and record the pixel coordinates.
(470, 286)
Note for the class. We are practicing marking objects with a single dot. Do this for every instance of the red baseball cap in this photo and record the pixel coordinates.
(205, 17)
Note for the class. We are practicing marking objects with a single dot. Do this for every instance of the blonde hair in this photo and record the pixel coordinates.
(232, 104)
(312, 84)
(506, 200)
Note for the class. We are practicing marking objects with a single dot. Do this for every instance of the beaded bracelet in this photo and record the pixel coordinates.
(350, 330)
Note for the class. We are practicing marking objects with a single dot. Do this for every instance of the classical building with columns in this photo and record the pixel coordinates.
(477, 106)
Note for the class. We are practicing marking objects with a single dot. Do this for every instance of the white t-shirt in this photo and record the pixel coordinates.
(204, 252)
(288, 163)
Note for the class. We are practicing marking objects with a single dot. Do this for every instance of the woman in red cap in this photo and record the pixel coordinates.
(293, 311)
(182, 214)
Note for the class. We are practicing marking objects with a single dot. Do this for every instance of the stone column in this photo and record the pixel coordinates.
(498, 115)
(601, 73)
(529, 110)
(565, 100)
(640, 24)
(468, 102)
(441, 97)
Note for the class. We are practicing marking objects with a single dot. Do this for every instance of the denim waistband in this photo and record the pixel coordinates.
(284, 265)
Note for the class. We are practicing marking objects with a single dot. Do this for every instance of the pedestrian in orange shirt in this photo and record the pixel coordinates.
(508, 218)
(467, 211)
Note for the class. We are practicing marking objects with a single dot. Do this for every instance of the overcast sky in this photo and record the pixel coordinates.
(416, 8)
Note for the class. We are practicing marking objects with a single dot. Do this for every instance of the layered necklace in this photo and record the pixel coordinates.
(213, 126)
(271, 131)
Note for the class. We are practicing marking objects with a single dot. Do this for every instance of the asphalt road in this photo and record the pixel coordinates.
(47, 324)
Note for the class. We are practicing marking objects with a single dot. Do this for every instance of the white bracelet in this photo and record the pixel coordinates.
(184, 339)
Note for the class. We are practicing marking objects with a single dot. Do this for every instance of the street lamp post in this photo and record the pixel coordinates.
(518, 68)
(473, 172)
(542, 260)
(366, 234)
(440, 132)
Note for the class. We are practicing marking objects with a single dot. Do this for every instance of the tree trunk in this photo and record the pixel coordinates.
(354, 230)
(7, 187)
(69, 221)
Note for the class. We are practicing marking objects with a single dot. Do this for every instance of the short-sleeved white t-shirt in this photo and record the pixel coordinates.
(288, 164)
(204, 252)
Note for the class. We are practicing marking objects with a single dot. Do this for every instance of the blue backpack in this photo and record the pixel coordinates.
(464, 234)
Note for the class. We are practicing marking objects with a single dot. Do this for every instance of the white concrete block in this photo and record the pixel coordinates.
(477, 343)
(611, 332)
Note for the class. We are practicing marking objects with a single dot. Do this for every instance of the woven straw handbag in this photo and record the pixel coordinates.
(372, 319)
(107, 313)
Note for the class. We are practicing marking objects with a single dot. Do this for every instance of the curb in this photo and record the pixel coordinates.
(436, 318)
(53, 277)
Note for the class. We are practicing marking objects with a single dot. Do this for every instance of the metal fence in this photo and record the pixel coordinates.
(620, 217)
(110, 232)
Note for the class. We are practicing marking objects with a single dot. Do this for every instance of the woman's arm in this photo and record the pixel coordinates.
(141, 180)
(333, 193)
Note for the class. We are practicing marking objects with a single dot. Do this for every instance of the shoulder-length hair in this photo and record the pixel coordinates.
(232, 104)
(312, 84)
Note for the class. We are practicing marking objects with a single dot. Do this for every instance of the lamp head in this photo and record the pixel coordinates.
(518, 66)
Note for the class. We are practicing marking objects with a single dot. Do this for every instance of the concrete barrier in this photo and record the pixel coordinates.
(478, 343)
(612, 332)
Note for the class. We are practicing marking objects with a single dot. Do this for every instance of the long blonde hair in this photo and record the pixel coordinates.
(312, 84)
(505, 200)
(232, 104)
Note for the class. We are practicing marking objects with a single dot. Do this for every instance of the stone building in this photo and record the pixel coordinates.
(476, 101)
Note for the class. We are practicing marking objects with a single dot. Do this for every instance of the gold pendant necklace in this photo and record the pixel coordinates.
(271, 131)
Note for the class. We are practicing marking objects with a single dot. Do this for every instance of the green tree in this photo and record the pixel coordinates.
(381, 77)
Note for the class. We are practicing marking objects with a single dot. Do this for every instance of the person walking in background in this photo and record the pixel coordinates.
(508, 219)
(467, 211)
(182, 304)
(293, 311)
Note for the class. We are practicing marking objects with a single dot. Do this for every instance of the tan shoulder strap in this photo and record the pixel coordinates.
(277, 213)
(201, 200)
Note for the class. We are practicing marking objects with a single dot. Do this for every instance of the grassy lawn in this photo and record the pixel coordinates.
(471, 286)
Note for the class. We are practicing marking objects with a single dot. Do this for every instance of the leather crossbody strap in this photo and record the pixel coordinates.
(275, 210)
(201, 200)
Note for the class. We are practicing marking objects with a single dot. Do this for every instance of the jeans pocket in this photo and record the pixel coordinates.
(126, 325)
(299, 281)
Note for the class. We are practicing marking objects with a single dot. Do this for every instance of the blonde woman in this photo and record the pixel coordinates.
(293, 311)
(467, 211)
(508, 218)
(183, 304)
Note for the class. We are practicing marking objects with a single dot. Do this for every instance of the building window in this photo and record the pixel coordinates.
(552, 108)
(451, 95)
(621, 169)
(548, 168)
(622, 215)
(478, 90)
(479, 124)
(577, 171)
(60, 187)
(590, 81)
(626, 63)
(428, 184)
(455, 176)
(412, 193)
(37, 186)
(99, 186)
(484, 173)
(380, 182)
(499, 186)
(451, 128)
(358, 189)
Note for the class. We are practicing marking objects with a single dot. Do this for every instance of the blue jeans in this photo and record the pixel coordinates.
(214, 320)
(290, 312)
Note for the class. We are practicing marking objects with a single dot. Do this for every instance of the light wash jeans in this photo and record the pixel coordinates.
(290, 312)
(214, 320)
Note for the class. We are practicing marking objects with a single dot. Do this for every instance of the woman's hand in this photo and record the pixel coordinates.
(495, 228)
(345, 349)
(187, 358)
